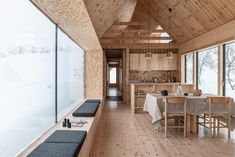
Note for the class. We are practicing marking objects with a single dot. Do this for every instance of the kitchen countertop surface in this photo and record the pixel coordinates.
(139, 82)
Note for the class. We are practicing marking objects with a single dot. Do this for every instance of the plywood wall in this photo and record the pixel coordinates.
(94, 74)
(72, 17)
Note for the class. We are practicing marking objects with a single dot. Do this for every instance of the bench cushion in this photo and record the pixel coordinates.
(56, 150)
(86, 110)
(67, 136)
(93, 101)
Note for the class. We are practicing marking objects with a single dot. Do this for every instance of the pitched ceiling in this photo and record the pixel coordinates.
(104, 13)
(189, 18)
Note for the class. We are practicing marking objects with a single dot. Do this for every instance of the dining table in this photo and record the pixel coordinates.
(196, 105)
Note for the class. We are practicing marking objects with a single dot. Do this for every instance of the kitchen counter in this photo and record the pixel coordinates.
(155, 83)
(138, 91)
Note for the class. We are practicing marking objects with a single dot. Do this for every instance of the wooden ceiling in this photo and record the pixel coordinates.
(126, 21)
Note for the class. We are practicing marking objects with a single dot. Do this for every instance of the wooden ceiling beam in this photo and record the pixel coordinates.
(135, 38)
(134, 24)
(137, 46)
(135, 31)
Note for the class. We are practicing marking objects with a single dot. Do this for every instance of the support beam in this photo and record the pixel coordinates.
(135, 24)
(135, 38)
(135, 31)
(137, 46)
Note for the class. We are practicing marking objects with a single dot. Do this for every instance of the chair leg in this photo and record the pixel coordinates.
(179, 123)
(218, 124)
(165, 125)
(185, 126)
(229, 125)
(204, 118)
(197, 124)
(214, 122)
(210, 125)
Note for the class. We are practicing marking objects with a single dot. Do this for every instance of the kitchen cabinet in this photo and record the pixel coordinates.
(158, 62)
(134, 61)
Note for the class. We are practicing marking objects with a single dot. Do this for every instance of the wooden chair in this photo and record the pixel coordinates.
(187, 88)
(220, 110)
(178, 103)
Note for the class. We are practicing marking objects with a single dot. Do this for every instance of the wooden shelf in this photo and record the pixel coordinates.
(140, 96)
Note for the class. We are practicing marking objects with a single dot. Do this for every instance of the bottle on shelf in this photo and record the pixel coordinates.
(179, 90)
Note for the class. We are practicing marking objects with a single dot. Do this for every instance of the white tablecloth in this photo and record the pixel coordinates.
(195, 105)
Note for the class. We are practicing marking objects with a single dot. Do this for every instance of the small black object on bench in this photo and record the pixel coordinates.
(62, 143)
(87, 109)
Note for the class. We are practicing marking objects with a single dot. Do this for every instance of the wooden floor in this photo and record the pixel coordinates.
(122, 134)
(112, 91)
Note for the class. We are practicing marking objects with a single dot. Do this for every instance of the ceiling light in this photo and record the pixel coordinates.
(148, 55)
(169, 53)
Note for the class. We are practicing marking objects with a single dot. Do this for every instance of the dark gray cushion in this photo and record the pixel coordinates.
(86, 110)
(67, 136)
(93, 100)
(56, 150)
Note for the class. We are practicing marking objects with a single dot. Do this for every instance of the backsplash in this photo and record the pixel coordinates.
(149, 75)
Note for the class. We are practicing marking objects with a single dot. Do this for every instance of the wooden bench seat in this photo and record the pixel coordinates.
(87, 109)
(50, 141)
(64, 143)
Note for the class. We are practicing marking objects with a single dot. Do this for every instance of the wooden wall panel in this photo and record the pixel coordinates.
(189, 18)
(104, 13)
(94, 74)
(219, 35)
(73, 18)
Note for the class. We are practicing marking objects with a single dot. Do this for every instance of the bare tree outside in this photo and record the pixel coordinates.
(208, 70)
(189, 68)
(230, 69)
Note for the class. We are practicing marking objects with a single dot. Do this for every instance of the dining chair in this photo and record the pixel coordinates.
(174, 107)
(220, 111)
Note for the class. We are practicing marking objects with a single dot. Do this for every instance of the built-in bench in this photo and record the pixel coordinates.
(62, 143)
(93, 101)
(87, 109)
(55, 150)
(68, 142)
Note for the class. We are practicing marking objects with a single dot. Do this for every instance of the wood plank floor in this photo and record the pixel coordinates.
(123, 134)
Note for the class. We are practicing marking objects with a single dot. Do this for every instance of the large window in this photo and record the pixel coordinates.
(70, 74)
(27, 75)
(189, 68)
(27, 87)
(207, 72)
(229, 60)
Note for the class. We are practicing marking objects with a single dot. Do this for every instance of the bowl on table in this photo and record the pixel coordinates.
(185, 94)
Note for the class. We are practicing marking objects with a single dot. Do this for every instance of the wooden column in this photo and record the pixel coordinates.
(194, 70)
(220, 69)
(181, 70)
(127, 76)
(124, 86)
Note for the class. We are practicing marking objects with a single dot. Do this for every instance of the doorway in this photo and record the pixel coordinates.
(114, 73)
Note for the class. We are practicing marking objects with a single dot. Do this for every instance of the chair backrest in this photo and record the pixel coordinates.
(175, 104)
(175, 100)
(187, 88)
(219, 101)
